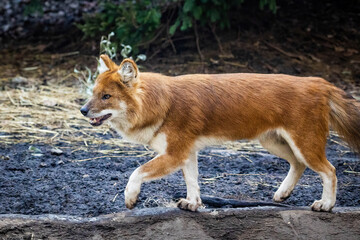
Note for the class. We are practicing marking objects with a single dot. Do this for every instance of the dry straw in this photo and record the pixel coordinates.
(47, 114)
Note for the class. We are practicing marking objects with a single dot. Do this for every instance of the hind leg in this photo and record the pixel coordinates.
(328, 198)
(327, 173)
(276, 145)
(310, 150)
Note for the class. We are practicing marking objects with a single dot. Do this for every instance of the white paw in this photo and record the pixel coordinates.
(132, 189)
(131, 198)
(191, 205)
(281, 196)
(322, 206)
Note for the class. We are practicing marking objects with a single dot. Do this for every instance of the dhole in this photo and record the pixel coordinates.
(177, 116)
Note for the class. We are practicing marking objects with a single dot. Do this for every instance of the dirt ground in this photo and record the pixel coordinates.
(85, 181)
(40, 99)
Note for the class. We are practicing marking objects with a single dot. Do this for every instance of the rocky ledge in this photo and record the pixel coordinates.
(172, 223)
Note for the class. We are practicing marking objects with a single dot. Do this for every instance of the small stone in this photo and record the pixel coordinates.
(3, 157)
(6, 27)
(74, 5)
(19, 80)
(61, 162)
(34, 149)
(37, 154)
(56, 151)
(85, 176)
(43, 165)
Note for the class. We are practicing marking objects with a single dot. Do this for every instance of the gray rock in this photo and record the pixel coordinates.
(19, 80)
(56, 151)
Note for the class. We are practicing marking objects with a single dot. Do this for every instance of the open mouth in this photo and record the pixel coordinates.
(99, 120)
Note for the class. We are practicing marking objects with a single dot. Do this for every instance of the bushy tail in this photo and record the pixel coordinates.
(345, 117)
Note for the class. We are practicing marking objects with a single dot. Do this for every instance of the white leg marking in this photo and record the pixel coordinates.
(328, 197)
(191, 174)
(289, 182)
(133, 188)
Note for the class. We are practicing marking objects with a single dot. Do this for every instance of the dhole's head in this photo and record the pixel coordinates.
(113, 90)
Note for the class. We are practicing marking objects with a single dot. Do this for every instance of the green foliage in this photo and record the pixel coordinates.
(211, 11)
(204, 11)
(138, 22)
(33, 7)
(270, 3)
(132, 22)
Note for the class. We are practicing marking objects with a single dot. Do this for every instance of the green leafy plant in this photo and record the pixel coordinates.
(111, 48)
(210, 11)
(132, 22)
(33, 7)
(270, 3)
(204, 11)
(86, 77)
(139, 23)
(107, 47)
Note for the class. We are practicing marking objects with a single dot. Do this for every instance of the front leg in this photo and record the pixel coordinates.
(158, 167)
(132, 189)
(190, 172)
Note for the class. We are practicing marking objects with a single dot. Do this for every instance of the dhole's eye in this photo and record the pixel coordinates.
(106, 96)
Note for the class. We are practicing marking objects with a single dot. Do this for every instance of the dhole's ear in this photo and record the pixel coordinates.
(105, 64)
(129, 72)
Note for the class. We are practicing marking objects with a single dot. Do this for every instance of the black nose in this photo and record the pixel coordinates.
(84, 111)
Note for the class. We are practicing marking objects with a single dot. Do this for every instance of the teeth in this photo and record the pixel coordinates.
(98, 120)
(94, 120)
